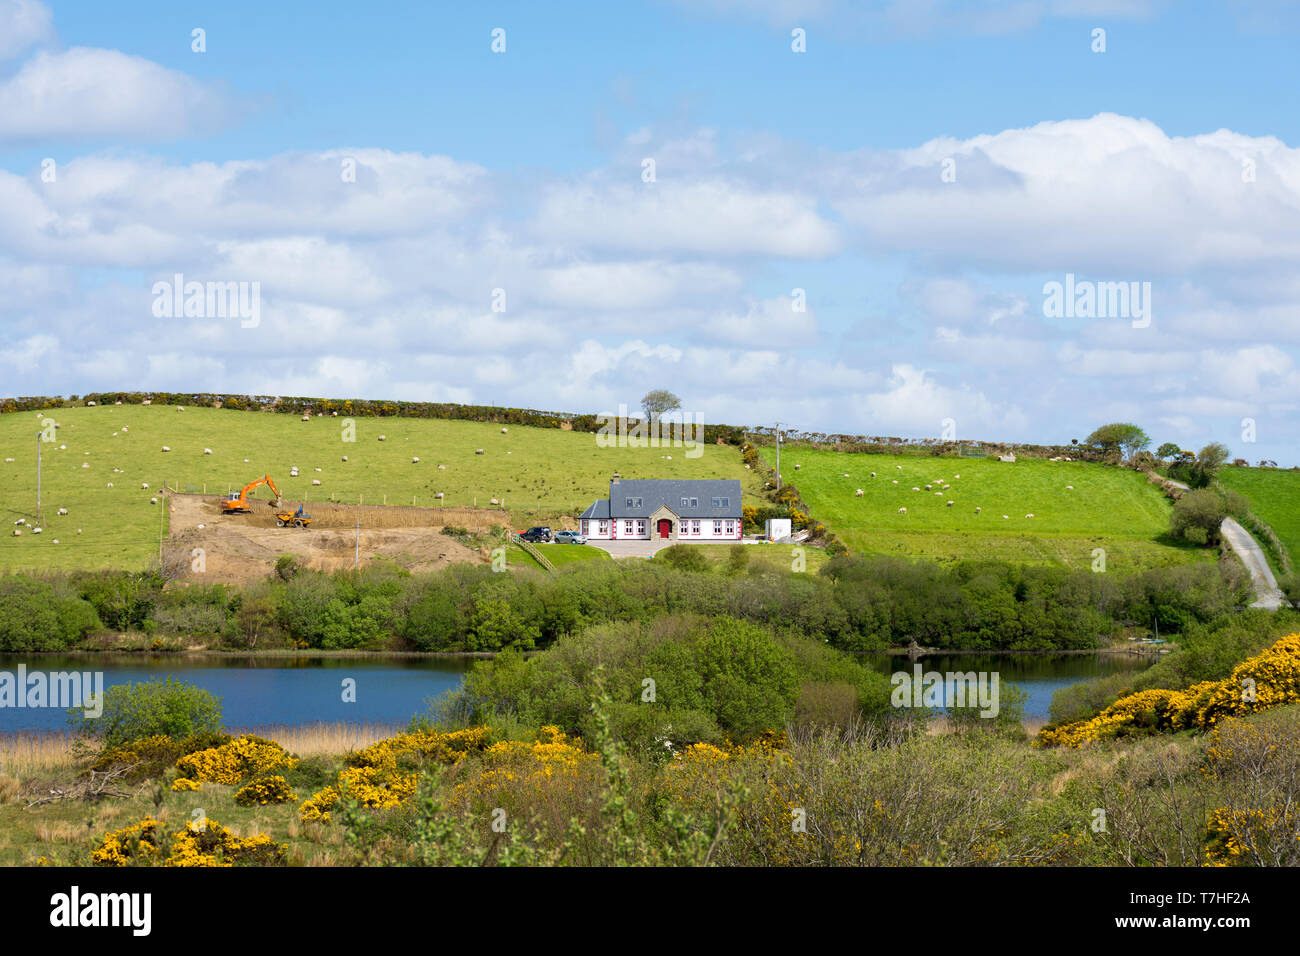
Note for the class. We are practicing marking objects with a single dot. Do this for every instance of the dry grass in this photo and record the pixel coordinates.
(31, 753)
(313, 740)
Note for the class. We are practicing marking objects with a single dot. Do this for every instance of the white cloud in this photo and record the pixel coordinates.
(85, 93)
(23, 24)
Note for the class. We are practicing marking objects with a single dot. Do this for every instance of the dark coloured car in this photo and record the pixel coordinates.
(535, 535)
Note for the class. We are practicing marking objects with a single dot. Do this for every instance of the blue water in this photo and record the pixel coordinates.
(263, 691)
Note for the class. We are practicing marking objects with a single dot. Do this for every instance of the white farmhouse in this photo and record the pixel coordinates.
(677, 510)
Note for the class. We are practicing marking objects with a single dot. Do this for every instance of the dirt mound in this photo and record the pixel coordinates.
(233, 549)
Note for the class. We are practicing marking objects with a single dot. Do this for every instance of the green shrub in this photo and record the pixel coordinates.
(683, 557)
(158, 707)
(35, 617)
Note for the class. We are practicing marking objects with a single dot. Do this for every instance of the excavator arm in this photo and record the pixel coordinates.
(239, 503)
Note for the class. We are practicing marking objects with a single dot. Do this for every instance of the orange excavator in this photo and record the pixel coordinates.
(238, 504)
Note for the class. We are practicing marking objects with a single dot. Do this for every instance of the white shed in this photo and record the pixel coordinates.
(777, 529)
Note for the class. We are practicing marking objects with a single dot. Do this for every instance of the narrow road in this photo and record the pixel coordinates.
(1252, 556)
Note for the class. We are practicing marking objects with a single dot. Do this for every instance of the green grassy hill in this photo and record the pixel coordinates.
(538, 473)
(1274, 495)
(1109, 508)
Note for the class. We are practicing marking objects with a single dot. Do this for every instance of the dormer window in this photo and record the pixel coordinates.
(633, 502)
(722, 502)
(690, 502)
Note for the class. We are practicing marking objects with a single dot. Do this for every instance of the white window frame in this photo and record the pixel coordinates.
(695, 526)
(640, 528)
(731, 527)
(717, 527)
(603, 526)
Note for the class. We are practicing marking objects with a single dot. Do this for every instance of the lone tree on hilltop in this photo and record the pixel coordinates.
(1119, 438)
(658, 403)
(1167, 450)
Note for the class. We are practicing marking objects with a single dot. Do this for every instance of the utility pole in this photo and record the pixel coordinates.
(38, 474)
(356, 558)
(778, 456)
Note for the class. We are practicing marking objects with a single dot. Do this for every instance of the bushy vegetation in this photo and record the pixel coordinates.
(165, 707)
(854, 603)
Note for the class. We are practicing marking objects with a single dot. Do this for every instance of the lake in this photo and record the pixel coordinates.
(262, 691)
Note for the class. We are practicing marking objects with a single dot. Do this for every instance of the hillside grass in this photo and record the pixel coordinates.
(1113, 509)
(1274, 495)
(777, 557)
(536, 472)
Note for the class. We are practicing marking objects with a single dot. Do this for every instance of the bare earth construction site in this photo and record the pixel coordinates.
(238, 548)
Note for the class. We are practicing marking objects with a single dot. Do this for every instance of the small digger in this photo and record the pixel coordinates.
(239, 504)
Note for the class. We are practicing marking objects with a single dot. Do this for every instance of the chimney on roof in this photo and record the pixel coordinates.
(614, 480)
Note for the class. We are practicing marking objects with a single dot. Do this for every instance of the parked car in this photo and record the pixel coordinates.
(537, 534)
(569, 537)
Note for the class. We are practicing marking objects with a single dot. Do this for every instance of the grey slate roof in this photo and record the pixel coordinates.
(655, 493)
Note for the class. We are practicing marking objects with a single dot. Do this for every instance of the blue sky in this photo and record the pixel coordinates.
(775, 171)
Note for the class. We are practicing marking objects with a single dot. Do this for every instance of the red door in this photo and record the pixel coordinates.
(665, 527)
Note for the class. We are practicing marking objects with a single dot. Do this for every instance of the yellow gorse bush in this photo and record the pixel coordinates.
(273, 789)
(244, 757)
(382, 775)
(529, 765)
(206, 844)
(1267, 680)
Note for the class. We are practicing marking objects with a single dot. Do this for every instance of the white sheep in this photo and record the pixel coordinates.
(846, 474)
(1069, 487)
(1029, 516)
(797, 467)
(669, 457)
(153, 501)
(503, 431)
(166, 448)
(442, 467)
(8, 460)
(126, 428)
(949, 504)
(946, 487)
(318, 469)
(928, 487)
(899, 467)
(345, 457)
(859, 493)
(977, 509)
(383, 438)
(110, 484)
(939, 493)
(62, 511)
(315, 481)
(245, 461)
(414, 460)
(478, 451)
(956, 476)
(1006, 516)
(895, 481)
(873, 474)
(180, 408)
(17, 532)
(144, 486)
(306, 418)
(202, 526)
(438, 495)
(902, 511)
(207, 451)
(493, 501)
(78, 531)
(85, 464)
(55, 541)
(21, 521)
(914, 488)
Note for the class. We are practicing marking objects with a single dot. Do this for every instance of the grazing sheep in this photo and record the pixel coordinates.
(8, 460)
(493, 501)
(315, 481)
(669, 457)
(414, 460)
(442, 467)
(928, 487)
(956, 476)
(895, 481)
(914, 488)
(334, 414)
(899, 467)
(90, 404)
(17, 533)
(873, 474)
(180, 408)
(245, 461)
(383, 438)
(144, 486)
(1006, 516)
(56, 540)
(78, 531)
(166, 448)
(202, 526)
(126, 428)
(85, 464)
(846, 474)
(797, 467)
(977, 510)
(939, 493)
(147, 401)
(110, 484)
(207, 451)
(438, 495)
(478, 451)
(62, 511)
(1028, 516)
(318, 469)
(345, 457)
(503, 431)
(946, 487)
(859, 493)
(1069, 487)
(21, 521)
(153, 501)
(306, 418)
(902, 511)
(949, 504)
